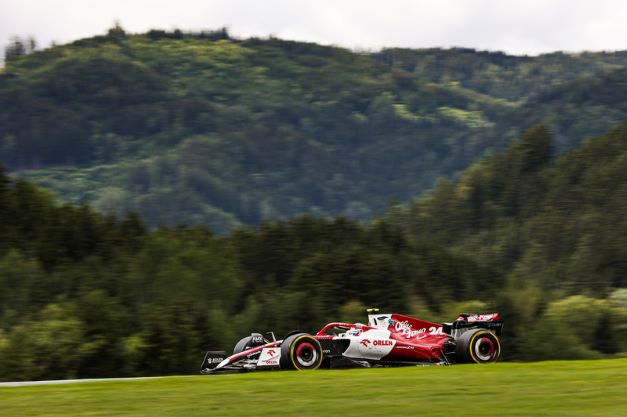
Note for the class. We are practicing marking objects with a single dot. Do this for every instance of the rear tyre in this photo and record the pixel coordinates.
(247, 343)
(477, 346)
(301, 352)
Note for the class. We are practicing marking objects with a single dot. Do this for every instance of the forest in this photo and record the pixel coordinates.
(537, 236)
(167, 193)
(204, 128)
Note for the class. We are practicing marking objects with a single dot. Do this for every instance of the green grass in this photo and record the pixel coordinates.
(576, 388)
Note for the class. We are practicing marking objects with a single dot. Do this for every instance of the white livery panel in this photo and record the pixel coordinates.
(371, 344)
(269, 356)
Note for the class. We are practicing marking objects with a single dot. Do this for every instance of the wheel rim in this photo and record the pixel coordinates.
(306, 354)
(485, 349)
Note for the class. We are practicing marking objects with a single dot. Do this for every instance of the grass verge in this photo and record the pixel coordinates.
(568, 388)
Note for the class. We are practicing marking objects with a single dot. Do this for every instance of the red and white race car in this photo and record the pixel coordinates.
(387, 340)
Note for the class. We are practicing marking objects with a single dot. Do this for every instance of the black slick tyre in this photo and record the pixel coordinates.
(301, 352)
(477, 346)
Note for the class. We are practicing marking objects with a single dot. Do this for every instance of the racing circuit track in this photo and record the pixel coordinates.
(72, 381)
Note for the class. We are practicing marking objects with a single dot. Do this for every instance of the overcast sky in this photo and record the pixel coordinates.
(513, 26)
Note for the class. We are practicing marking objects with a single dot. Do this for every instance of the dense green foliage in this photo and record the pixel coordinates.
(495, 74)
(574, 388)
(539, 239)
(559, 220)
(86, 295)
(202, 128)
(555, 228)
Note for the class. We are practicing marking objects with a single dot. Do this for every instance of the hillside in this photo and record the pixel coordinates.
(495, 74)
(579, 109)
(203, 128)
(559, 220)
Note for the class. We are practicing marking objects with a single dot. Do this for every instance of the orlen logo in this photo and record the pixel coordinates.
(377, 342)
(271, 357)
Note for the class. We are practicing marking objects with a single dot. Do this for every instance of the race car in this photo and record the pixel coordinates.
(387, 340)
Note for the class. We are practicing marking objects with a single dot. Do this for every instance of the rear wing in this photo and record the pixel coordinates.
(466, 321)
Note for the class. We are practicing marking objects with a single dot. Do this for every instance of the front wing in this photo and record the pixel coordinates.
(262, 357)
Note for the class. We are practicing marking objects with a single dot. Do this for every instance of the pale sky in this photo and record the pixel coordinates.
(513, 26)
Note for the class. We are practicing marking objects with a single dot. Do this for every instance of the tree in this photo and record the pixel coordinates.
(5, 209)
(19, 47)
(536, 148)
(116, 32)
(51, 347)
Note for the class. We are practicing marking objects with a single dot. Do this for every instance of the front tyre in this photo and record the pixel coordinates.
(478, 346)
(301, 352)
